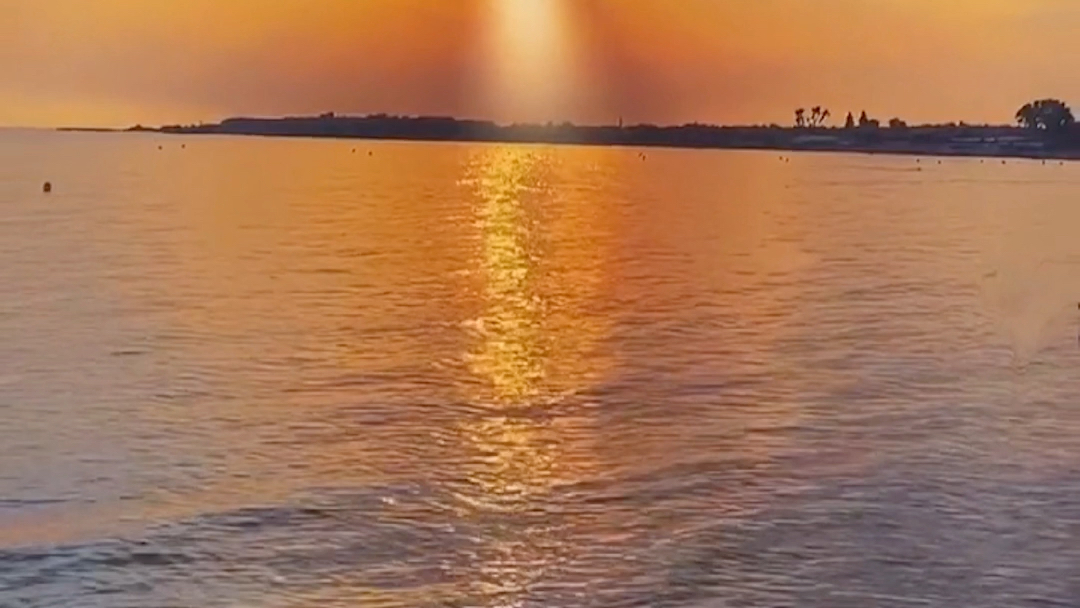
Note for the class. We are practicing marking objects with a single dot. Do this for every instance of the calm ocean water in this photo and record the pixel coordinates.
(284, 373)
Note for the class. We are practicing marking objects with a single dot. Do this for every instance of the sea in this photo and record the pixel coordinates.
(241, 372)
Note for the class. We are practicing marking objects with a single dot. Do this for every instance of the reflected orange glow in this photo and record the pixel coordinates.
(539, 274)
(509, 355)
(535, 345)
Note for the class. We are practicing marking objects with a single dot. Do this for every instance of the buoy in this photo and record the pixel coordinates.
(182, 146)
(47, 187)
(159, 147)
(369, 153)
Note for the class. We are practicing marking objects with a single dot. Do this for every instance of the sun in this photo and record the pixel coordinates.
(532, 25)
(530, 54)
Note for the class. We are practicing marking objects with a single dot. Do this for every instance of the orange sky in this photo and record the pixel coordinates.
(117, 62)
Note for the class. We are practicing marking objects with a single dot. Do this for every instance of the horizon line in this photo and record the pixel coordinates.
(331, 115)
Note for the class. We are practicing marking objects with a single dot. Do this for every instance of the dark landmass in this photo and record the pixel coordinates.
(136, 128)
(88, 129)
(930, 140)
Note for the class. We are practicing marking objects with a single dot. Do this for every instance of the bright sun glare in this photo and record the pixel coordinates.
(532, 74)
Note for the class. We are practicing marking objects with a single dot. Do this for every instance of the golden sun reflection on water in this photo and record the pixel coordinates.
(509, 352)
(539, 256)
(536, 345)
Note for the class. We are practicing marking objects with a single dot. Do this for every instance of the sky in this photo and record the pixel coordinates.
(121, 62)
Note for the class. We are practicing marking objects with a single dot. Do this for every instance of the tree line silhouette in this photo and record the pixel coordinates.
(1042, 127)
(1052, 116)
(819, 116)
(1049, 116)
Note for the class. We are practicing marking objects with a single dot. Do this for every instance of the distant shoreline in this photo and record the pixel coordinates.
(998, 142)
(90, 130)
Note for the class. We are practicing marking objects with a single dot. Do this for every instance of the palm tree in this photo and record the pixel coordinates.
(818, 116)
(800, 117)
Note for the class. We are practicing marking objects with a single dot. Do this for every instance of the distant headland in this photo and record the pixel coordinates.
(1045, 129)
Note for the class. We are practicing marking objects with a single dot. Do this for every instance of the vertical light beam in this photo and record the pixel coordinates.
(530, 72)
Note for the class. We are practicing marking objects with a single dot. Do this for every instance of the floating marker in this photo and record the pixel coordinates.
(46, 187)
